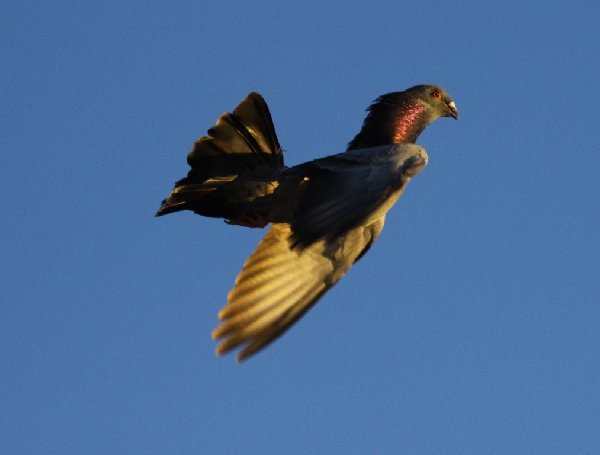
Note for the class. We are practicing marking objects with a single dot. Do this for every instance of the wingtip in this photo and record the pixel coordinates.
(220, 350)
(216, 333)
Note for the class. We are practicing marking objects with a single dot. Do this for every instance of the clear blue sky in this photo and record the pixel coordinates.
(472, 326)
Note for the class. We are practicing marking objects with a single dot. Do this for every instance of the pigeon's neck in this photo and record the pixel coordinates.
(392, 123)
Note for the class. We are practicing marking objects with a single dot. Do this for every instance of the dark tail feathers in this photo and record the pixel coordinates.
(231, 167)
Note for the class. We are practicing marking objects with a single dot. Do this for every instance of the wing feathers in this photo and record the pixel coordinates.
(276, 286)
(288, 318)
(346, 190)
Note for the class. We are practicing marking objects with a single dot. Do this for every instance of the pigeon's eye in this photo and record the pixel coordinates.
(435, 93)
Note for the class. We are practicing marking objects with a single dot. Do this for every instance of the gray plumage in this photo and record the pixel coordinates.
(325, 214)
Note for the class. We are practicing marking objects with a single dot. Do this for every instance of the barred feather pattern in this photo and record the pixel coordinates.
(280, 282)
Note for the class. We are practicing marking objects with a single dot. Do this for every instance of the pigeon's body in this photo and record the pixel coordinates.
(325, 213)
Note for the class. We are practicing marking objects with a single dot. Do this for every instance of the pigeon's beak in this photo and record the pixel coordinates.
(452, 111)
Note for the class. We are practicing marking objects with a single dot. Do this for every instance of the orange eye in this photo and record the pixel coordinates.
(436, 93)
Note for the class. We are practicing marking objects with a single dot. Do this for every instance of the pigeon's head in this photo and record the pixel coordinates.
(436, 99)
(400, 117)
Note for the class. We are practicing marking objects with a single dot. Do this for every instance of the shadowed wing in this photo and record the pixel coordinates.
(353, 188)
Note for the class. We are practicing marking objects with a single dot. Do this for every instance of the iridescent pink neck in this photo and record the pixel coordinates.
(410, 123)
(392, 119)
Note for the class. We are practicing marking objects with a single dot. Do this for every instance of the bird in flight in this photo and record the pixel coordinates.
(324, 214)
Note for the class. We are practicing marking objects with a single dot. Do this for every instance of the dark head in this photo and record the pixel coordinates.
(401, 116)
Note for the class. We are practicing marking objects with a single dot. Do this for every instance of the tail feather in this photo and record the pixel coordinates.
(236, 163)
(249, 130)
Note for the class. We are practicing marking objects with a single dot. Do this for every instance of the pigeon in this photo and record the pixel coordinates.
(325, 214)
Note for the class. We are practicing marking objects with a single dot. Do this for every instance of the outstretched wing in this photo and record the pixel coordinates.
(280, 283)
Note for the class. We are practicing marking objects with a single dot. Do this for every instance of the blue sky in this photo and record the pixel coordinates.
(470, 327)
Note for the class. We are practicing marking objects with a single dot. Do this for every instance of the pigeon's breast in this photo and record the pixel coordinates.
(399, 163)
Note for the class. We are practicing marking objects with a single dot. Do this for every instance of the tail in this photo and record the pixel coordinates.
(232, 168)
